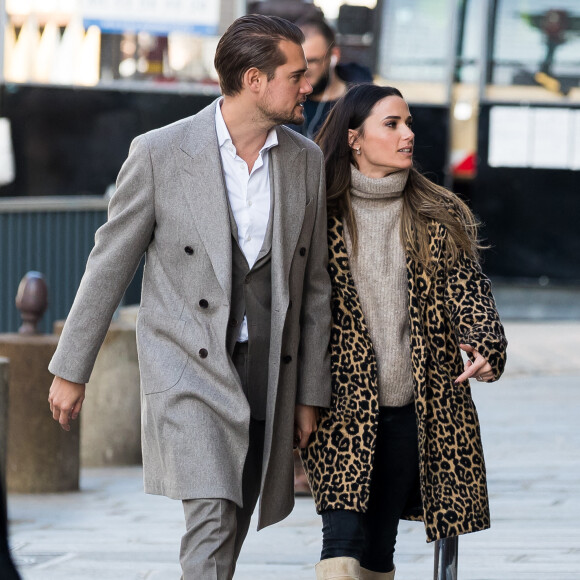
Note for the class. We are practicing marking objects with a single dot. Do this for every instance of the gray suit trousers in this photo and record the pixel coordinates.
(215, 527)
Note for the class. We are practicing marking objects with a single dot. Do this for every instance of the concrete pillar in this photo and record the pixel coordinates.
(111, 427)
(4, 367)
(41, 457)
(111, 413)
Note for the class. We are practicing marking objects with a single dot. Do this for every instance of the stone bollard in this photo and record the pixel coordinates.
(4, 376)
(111, 413)
(41, 457)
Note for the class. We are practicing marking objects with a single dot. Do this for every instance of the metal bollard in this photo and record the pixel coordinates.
(446, 551)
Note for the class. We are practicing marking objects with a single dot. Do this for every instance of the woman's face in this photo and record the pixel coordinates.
(386, 142)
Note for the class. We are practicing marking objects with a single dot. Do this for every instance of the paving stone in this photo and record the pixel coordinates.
(111, 530)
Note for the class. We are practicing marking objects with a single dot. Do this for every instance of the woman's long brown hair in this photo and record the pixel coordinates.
(424, 202)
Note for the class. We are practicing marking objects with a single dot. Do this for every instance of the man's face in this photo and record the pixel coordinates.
(283, 97)
(317, 53)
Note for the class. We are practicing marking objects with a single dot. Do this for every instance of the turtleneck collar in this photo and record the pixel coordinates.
(378, 188)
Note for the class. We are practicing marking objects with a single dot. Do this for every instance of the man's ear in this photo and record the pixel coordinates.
(253, 79)
(334, 56)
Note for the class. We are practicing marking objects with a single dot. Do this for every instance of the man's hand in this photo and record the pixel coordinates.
(65, 399)
(305, 421)
(479, 368)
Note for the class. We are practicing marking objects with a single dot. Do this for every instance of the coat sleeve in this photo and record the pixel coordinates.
(471, 309)
(119, 245)
(314, 360)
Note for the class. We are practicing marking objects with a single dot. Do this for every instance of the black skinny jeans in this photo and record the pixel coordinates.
(370, 537)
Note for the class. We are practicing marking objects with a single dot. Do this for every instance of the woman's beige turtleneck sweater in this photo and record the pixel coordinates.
(380, 276)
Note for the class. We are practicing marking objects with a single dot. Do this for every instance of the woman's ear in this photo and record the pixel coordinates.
(352, 138)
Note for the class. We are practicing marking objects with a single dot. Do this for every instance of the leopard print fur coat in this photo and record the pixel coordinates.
(452, 304)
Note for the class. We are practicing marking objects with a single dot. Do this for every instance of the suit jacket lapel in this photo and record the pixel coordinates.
(288, 183)
(205, 192)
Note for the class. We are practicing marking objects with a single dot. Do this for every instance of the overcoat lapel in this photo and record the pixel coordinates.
(420, 288)
(205, 193)
(422, 284)
(289, 189)
(288, 186)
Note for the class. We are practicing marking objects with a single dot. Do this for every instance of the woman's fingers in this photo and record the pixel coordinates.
(478, 368)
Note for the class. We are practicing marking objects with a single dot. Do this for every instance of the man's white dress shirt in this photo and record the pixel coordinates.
(248, 193)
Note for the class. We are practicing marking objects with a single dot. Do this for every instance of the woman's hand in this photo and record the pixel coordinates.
(479, 368)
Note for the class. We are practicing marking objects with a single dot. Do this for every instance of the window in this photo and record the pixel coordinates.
(415, 40)
(537, 42)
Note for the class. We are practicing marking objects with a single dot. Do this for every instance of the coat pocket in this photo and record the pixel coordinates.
(162, 358)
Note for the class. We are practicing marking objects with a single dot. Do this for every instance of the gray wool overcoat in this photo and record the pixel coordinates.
(171, 205)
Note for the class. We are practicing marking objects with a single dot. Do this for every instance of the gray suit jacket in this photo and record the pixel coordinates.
(171, 204)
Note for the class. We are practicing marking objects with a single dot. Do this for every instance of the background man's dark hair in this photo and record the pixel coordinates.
(252, 41)
(319, 26)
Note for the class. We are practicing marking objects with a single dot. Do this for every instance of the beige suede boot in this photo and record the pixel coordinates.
(369, 575)
(338, 569)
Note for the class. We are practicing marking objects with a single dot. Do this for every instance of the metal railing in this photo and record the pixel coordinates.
(50, 235)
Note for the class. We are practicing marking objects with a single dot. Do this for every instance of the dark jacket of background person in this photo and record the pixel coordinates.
(315, 112)
(7, 568)
(450, 305)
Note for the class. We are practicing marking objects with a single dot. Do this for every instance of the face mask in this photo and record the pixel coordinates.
(321, 85)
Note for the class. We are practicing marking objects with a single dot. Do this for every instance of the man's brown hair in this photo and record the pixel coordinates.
(252, 41)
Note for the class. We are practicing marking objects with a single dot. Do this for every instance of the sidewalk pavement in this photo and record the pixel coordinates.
(111, 530)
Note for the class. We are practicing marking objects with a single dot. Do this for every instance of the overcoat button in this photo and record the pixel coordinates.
(203, 303)
(233, 322)
(203, 353)
(188, 250)
(303, 251)
(287, 359)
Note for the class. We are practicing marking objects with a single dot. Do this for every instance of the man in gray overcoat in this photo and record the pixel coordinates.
(234, 321)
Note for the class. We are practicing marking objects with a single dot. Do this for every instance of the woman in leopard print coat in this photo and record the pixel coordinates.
(401, 439)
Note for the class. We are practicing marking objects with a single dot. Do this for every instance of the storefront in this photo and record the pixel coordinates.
(495, 88)
(81, 78)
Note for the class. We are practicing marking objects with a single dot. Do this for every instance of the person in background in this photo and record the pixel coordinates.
(401, 438)
(234, 322)
(329, 77)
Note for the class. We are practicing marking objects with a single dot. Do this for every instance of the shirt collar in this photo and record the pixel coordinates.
(223, 134)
